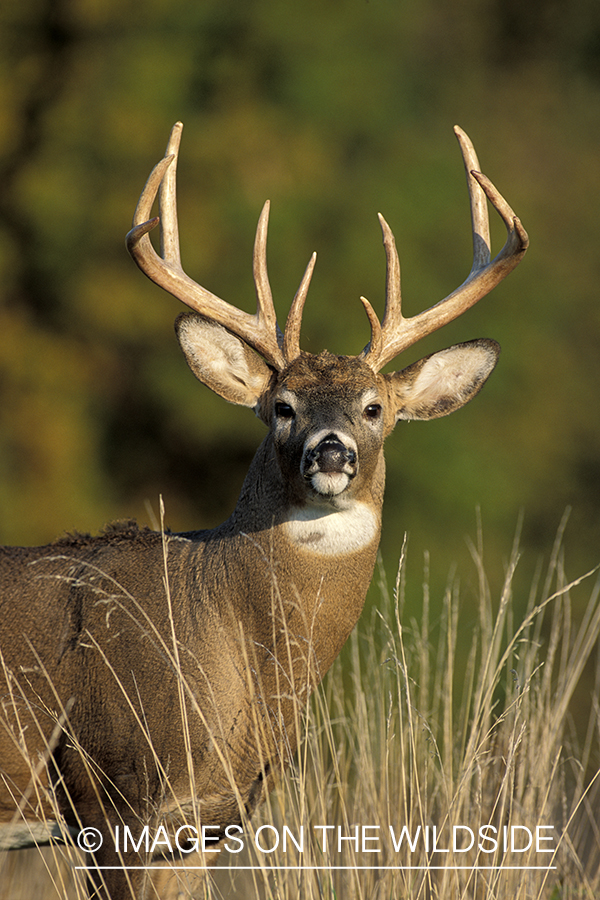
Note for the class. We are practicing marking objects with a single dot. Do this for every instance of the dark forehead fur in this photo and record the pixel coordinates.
(325, 371)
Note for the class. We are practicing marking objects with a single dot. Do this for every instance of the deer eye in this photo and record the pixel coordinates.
(373, 411)
(284, 410)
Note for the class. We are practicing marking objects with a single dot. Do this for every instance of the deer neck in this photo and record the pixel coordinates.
(324, 528)
(316, 558)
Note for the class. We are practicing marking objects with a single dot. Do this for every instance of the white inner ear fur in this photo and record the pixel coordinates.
(449, 371)
(454, 375)
(222, 361)
(215, 350)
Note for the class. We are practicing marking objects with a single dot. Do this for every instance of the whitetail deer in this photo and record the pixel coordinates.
(152, 677)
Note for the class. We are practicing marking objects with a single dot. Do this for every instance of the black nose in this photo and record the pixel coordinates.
(330, 455)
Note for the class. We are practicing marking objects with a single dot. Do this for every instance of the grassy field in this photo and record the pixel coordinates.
(410, 733)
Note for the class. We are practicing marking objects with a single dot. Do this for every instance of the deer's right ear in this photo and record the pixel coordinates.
(222, 361)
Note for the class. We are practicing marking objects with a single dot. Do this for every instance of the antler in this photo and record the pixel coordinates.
(396, 333)
(260, 330)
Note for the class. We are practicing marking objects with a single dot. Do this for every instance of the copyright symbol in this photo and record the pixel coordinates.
(89, 839)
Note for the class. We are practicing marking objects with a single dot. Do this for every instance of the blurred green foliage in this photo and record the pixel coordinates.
(334, 110)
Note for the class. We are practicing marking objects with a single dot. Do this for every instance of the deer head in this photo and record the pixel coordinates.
(249, 361)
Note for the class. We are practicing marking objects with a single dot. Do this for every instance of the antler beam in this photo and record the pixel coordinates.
(397, 333)
(260, 330)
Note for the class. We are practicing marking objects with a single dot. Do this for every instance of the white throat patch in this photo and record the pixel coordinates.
(332, 532)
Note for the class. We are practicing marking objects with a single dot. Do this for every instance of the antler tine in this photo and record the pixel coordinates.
(167, 202)
(258, 330)
(291, 335)
(393, 295)
(480, 222)
(399, 333)
(265, 309)
(392, 316)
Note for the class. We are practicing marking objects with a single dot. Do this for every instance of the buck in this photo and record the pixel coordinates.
(151, 677)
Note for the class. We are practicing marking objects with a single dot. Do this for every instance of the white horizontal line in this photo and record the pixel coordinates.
(315, 868)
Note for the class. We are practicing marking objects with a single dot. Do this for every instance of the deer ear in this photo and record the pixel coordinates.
(442, 382)
(222, 361)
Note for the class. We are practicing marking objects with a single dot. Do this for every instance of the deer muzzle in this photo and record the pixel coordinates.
(329, 463)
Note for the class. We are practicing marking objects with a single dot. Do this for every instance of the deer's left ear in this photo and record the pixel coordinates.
(442, 382)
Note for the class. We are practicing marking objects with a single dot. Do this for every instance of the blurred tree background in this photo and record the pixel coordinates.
(335, 110)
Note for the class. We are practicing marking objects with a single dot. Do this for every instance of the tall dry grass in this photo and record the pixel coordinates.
(410, 730)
